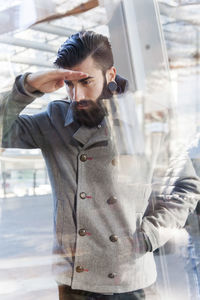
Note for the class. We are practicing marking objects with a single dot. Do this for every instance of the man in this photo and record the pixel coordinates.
(103, 241)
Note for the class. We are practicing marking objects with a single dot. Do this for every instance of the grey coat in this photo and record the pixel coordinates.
(105, 230)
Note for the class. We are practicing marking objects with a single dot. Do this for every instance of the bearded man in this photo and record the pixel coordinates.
(103, 243)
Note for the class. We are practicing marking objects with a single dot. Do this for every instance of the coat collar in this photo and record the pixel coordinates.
(69, 116)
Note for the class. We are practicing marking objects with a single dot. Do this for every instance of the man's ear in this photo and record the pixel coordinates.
(110, 74)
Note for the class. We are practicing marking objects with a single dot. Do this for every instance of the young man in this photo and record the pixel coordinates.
(103, 242)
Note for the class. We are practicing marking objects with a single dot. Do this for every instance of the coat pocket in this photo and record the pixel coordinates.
(131, 242)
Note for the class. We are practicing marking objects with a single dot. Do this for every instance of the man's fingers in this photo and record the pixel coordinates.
(69, 74)
(60, 84)
(73, 75)
(47, 81)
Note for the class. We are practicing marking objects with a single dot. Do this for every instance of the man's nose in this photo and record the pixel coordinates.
(78, 94)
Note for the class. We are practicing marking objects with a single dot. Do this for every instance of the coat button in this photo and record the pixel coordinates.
(114, 162)
(112, 275)
(82, 195)
(114, 238)
(79, 269)
(83, 157)
(112, 200)
(82, 232)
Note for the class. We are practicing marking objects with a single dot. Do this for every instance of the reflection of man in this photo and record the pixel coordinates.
(104, 246)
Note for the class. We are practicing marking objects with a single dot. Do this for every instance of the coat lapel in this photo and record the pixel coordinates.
(84, 134)
(88, 136)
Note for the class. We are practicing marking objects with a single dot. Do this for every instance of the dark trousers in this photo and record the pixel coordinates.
(66, 293)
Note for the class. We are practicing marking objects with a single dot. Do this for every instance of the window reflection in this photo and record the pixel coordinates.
(153, 143)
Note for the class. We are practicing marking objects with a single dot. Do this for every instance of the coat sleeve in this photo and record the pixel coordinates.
(169, 208)
(19, 131)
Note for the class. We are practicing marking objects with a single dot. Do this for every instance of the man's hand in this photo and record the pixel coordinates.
(50, 81)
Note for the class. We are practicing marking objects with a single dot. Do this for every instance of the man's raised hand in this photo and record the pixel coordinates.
(50, 81)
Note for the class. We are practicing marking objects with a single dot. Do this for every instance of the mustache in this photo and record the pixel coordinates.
(86, 102)
(83, 102)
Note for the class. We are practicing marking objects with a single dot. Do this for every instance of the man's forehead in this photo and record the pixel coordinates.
(88, 65)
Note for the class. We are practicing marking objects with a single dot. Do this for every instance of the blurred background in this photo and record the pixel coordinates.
(156, 46)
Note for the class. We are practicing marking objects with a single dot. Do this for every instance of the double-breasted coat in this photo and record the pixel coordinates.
(103, 239)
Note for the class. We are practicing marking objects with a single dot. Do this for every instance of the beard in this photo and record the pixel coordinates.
(90, 116)
(90, 113)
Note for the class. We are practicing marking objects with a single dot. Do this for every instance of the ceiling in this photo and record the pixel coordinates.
(27, 46)
(31, 48)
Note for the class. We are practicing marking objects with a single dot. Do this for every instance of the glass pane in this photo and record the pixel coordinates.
(99, 183)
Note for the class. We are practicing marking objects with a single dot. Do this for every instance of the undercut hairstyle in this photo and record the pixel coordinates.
(83, 44)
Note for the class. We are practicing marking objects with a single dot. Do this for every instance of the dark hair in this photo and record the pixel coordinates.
(83, 44)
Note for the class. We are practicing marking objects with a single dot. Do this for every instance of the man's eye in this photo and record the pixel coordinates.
(86, 82)
(68, 83)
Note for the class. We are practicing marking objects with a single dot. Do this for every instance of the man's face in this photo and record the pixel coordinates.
(87, 92)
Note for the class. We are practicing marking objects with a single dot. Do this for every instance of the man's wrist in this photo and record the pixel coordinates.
(28, 87)
(148, 244)
(25, 88)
